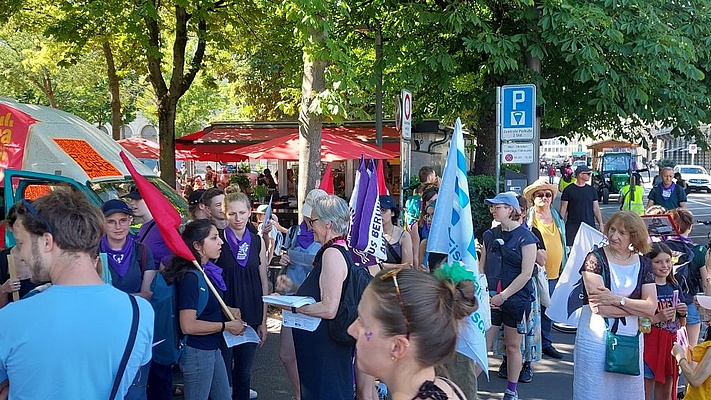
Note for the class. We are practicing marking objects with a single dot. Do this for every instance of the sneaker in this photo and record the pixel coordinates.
(526, 375)
(509, 395)
(551, 352)
(252, 394)
(503, 373)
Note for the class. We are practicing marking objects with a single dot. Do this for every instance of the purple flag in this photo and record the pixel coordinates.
(366, 233)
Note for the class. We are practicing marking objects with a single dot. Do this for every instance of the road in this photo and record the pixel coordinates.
(553, 379)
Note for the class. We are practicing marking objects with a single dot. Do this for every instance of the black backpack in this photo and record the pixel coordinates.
(353, 287)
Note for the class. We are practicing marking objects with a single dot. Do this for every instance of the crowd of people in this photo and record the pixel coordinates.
(101, 321)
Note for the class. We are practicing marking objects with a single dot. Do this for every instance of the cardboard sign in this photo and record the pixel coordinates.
(90, 161)
(14, 125)
(660, 225)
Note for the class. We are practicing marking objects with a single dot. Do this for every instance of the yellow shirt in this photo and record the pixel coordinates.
(702, 392)
(554, 247)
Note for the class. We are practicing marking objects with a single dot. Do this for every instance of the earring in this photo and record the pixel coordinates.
(393, 358)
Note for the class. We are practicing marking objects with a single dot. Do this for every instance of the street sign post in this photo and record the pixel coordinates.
(519, 112)
(693, 149)
(406, 110)
(517, 153)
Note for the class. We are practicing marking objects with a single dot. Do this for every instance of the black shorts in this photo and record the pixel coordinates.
(512, 312)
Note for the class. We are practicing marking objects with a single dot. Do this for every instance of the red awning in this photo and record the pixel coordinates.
(333, 148)
(144, 148)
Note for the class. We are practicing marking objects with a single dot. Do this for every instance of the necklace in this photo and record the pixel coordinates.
(622, 258)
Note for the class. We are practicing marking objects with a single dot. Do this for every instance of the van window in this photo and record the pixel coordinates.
(107, 190)
(692, 170)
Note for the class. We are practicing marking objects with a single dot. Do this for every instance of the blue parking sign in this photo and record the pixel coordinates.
(519, 112)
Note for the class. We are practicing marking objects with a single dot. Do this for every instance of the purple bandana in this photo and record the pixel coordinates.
(215, 274)
(305, 237)
(667, 192)
(119, 260)
(239, 248)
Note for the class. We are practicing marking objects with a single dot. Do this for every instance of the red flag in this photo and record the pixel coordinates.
(327, 181)
(165, 215)
(382, 187)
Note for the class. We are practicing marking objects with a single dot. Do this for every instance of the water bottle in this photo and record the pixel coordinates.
(645, 324)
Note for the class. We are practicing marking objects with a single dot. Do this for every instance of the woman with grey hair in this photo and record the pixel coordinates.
(325, 367)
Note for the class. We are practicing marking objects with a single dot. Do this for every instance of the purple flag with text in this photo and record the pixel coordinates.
(452, 233)
(365, 237)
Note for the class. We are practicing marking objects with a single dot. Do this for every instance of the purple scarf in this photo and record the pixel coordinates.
(667, 192)
(119, 260)
(215, 274)
(305, 237)
(239, 248)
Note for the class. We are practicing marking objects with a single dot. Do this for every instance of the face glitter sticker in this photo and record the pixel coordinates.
(368, 335)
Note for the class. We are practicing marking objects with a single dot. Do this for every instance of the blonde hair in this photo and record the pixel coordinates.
(633, 224)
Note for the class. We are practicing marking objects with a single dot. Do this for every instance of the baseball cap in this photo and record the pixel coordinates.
(114, 206)
(308, 206)
(582, 169)
(262, 209)
(507, 198)
(133, 194)
(196, 197)
(704, 301)
(387, 202)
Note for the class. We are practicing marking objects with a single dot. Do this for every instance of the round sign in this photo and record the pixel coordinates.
(407, 106)
(508, 157)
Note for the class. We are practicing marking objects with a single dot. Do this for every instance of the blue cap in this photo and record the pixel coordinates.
(387, 202)
(114, 206)
(507, 198)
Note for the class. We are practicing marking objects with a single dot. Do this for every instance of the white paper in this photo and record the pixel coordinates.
(289, 301)
(299, 321)
(249, 336)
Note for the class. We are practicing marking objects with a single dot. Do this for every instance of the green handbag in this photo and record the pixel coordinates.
(621, 352)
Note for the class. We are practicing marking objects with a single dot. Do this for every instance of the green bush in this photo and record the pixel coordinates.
(481, 187)
(260, 191)
(666, 162)
(240, 180)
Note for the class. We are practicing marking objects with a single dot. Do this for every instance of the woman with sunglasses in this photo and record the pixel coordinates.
(552, 228)
(507, 259)
(408, 322)
(325, 365)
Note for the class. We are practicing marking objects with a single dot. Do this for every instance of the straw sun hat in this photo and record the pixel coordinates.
(541, 184)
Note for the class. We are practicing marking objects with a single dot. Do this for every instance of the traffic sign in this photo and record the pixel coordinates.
(517, 153)
(518, 119)
(693, 149)
(406, 110)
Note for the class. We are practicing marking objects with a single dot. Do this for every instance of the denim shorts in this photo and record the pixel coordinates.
(692, 316)
(648, 374)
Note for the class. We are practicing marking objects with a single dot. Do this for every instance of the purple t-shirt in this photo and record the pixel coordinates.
(149, 234)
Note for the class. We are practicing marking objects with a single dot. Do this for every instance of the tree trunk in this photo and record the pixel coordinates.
(485, 158)
(49, 89)
(166, 138)
(114, 91)
(310, 124)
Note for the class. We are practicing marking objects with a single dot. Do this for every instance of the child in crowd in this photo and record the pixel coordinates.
(660, 369)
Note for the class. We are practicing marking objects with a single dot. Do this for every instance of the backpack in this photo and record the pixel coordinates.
(353, 287)
(168, 339)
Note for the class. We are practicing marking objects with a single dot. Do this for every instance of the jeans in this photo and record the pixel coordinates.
(204, 374)
(137, 391)
(160, 382)
(546, 323)
(240, 359)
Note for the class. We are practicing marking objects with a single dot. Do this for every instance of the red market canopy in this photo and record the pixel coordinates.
(144, 148)
(334, 147)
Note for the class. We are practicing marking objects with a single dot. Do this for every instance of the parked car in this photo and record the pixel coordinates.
(695, 176)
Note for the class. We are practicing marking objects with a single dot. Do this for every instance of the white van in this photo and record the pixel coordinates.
(42, 147)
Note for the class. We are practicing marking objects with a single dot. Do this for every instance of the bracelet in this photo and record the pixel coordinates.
(223, 327)
(680, 360)
(502, 296)
(293, 309)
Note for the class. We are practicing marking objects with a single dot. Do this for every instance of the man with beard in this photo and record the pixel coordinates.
(79, 323)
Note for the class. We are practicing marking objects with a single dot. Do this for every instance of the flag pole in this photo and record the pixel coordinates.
(13, 275)
(225, 309)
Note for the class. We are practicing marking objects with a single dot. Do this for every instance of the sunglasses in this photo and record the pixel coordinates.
(33, 211)
(392, 273)
(547, 195)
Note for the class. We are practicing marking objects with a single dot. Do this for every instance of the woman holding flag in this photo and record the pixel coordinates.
(244, 262)
(202, 364)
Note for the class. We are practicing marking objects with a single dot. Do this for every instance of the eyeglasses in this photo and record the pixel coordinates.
(310, 222)
(392, 273)
(33, 212)
(120, 222)
(547, 195)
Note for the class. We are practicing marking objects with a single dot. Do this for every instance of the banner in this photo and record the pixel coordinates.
(14, 129)
(365, 238)
(567, 299)
(452, 233)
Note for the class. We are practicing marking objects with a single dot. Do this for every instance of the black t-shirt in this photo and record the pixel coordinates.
(188, 291)
(580, 208)
(503, 261)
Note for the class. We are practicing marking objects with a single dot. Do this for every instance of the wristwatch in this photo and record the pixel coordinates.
(623, 301)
